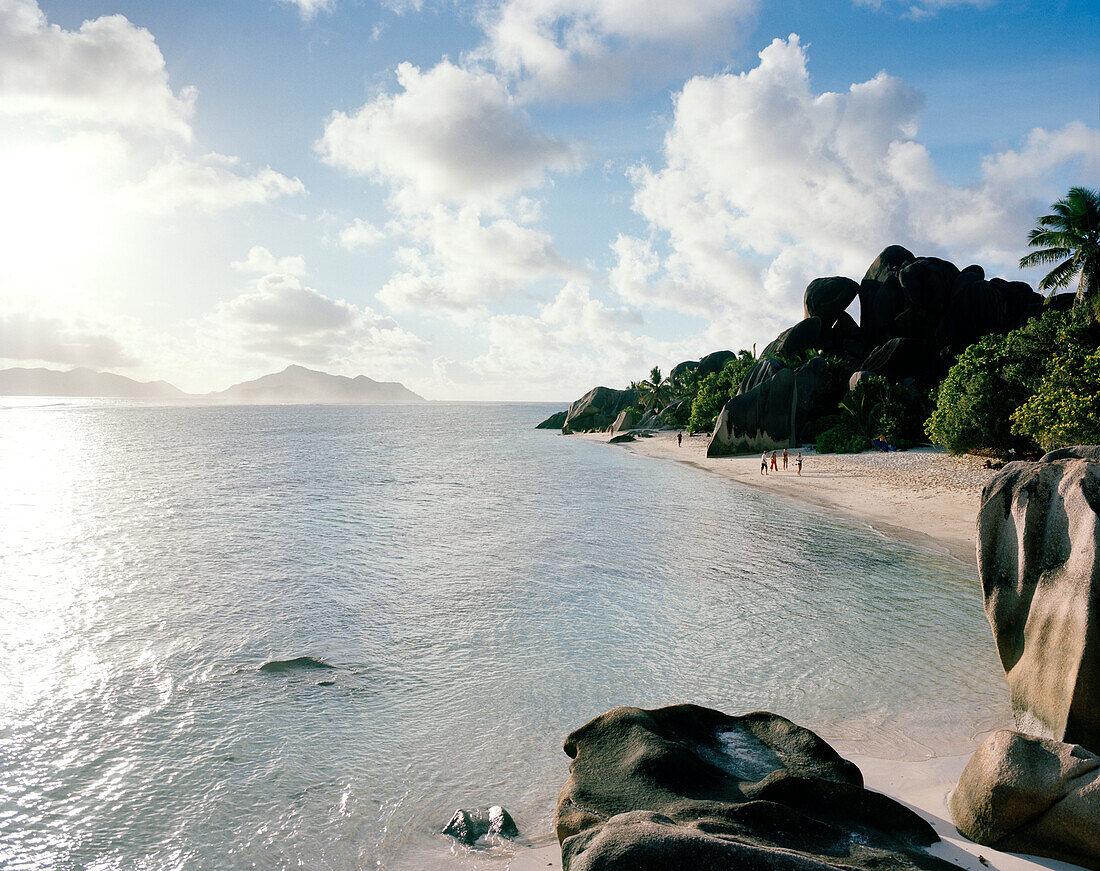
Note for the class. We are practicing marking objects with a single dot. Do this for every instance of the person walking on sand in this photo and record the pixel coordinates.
(679, 439)
(775, 466)
(764, 463)
(784, 459)
(798, 463)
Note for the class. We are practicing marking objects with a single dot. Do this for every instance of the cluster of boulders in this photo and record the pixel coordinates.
(917, 314)
(1037, 790)
(691, 787)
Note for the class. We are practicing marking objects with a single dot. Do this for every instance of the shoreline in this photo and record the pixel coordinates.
(922, 786)
(925, 497)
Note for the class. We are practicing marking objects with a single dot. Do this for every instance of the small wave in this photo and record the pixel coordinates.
(301, 663)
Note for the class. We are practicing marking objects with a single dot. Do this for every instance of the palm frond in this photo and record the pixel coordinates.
(1060, 276)
(1048, 255)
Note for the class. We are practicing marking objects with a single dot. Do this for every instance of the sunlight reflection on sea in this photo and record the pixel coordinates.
(481, 588)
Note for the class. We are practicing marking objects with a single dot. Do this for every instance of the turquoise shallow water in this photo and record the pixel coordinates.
(481, 588)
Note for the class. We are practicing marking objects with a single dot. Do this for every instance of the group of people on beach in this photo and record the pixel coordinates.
(775, 466)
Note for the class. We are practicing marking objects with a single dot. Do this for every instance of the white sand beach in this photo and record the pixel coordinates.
(924, 496)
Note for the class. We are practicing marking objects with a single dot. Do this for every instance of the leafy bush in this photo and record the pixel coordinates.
(716, 389)
(980, 406)
(1065, 407)
(844, 438)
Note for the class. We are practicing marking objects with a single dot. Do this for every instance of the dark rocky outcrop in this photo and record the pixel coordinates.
(795, 341)
(881, 298)
(1031, 795)
(554, 421)
(827, 298)
(690, 787)
(1039, 560)
(772, 414)
(763, 370)
(713, 362)
(468, 826)
(927, 282)
(901, 358)
(597, 409)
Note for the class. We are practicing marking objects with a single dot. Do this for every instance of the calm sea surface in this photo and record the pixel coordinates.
(480, 589)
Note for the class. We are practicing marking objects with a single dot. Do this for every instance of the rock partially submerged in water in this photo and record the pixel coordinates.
(468, 826)
(554, 421)
(1031, 795)
(1039, 561)
(300, 663)
(691, 787)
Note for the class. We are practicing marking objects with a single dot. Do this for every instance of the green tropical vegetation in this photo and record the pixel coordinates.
(875, 409)
(714, 390)
(1031, 390)
(1070, 238)
(653, 392)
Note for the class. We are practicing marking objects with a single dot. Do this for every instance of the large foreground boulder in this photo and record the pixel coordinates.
(693, 788)
(597, 409)
(1031, 795)
(1039, 560)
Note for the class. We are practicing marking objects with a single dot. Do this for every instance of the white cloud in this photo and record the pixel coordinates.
(108, 73)
(598, 48)
(260, 260)
(557, 354)
(210, 182)
(924, 8)
(281, 319)
(360, 234)
(308, 9)
(766, 185)
(31, 337)
(459, 263)
(451, 134)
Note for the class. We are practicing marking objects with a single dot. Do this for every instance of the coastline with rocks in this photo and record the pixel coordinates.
(931, 500)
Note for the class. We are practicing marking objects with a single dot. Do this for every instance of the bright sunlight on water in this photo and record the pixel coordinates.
(479, 589)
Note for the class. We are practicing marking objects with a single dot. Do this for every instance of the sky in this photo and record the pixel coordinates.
(511, 199)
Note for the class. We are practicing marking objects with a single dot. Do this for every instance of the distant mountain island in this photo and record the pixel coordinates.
(294, 385)
(82, 382)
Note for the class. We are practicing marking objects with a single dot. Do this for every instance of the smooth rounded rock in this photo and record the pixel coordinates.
(687, 787)
(1024, 794)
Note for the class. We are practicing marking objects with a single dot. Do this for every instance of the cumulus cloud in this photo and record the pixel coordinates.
(460, 262)
(33, 337)
(308, 9)
(211, 182)
(451, 134)
(555, 353)
(280, 318)
(91, 134)
(598, 48)
(260, 260)
(766, 184)
(360, 234)
(108, 73)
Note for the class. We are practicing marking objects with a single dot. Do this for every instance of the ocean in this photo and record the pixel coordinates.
(440, 593)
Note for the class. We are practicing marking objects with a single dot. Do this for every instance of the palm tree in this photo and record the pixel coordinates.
(1071, 238)
(653, 393)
